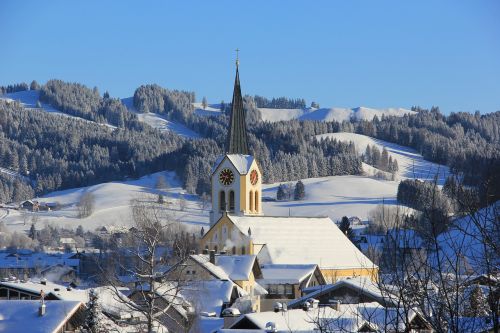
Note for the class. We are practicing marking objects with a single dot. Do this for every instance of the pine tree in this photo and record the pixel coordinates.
(300, 191)
(280, 195)
(79, 231)
(32, 232)
(345, 227)
(92, 313)
(478, 304)
(367, 158)
(160, 200)
(204, 102)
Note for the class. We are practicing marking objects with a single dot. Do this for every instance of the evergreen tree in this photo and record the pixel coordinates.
(204, 103)
(32, 232)
(280, 195)
(79, 231)
(34, 85)
(300, 191)
(160, 200)
(92, 313)
(345, 227)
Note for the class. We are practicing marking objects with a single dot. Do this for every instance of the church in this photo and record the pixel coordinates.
(239, 226)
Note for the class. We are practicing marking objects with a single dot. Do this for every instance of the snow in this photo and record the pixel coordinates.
(209, 296)
(23, 314)
(330, 114)
(113, 205)
(411, 163)
(242, 163)
(237, 267)
(160, 122)
(335, 197)
(29, 98)
(210, 110)
(281, 274)
(302, 240)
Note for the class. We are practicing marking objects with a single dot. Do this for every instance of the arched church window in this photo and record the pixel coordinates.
(234, 249)
(222, 201)
(242, 250)
(256, 201)
(251, 208)
(231, 201)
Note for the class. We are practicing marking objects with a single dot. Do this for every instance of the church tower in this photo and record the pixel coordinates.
(236, 176)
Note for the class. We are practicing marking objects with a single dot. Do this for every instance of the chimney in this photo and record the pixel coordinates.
(41, 309)
(336, 305)
(205, 251)
(212, 256)
(43, 281)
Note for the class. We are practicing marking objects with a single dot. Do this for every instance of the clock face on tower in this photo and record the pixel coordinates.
(226, 177)
(254, 177)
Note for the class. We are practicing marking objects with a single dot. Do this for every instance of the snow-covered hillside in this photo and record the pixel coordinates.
(330, 114)
(113, 205)
(210, 110)
(160, 122)
(411, 163)
(29, 98)
(334, 196)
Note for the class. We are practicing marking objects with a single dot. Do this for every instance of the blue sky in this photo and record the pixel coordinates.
(338, 53)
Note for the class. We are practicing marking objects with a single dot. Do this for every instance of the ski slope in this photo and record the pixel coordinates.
(159, 121)
(113, 205)
(411, 163)
(335, 197)
(29, 98)
(330, 114)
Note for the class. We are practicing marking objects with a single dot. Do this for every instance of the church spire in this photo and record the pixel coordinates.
(237, 141)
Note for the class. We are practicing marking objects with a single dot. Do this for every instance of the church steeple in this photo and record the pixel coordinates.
(237, 141)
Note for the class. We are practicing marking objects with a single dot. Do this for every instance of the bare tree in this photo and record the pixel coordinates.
(86, 205)
(148, 256)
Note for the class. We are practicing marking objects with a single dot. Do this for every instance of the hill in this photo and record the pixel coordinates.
(330, 114)
(411, 163)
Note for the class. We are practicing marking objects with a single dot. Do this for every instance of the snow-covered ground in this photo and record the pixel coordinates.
(160, 122)
(113, 205)
(210, 110)
(411, 163)
(330, 114)
(334, 196)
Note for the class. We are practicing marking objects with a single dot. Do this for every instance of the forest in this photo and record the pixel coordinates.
(52, 152)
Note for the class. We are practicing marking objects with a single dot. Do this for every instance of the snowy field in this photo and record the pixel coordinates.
(113, 205)
(411, 163)
(29, 98)
(334, 196)
(160, 122)
(330, 114)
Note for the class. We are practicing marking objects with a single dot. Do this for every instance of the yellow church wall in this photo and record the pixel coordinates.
(332, 275)
(225, 240)
(245, 188)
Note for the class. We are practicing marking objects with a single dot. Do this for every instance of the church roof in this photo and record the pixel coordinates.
(302, 240)
(237, 141)
(242, 163)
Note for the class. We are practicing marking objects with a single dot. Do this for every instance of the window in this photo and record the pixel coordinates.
(216, 248)
(256, 201)
(231, 201)
(251, 201)
(288, 289)
(242, 250)
(234, 249)
(273, 289)
(281, 289)
(193, 272)
(222, 201)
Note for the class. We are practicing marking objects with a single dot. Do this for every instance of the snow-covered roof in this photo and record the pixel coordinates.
(22, 315)
(238, 267)
(204, 261)
(361, 284)
(302, 240)
(209, 296)
(242, 163)
(281, 274)
(29, 260)
(59, 291)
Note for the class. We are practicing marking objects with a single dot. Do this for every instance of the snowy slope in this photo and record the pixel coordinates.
(112, 206)
(330, 114)
(411, 163)
(334, 196)
(210, 110)
(29, 98)
(160, 122)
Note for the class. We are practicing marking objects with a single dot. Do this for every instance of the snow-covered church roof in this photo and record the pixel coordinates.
(301, 240)
(242, 163)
